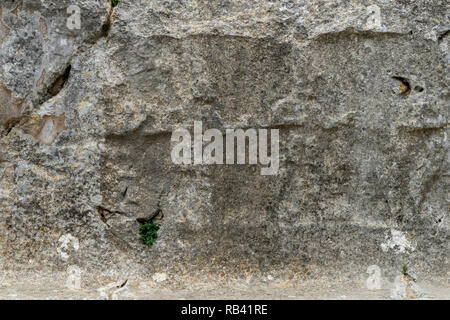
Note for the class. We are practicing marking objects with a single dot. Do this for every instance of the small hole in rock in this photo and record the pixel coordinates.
(105, 28)
(405, 87)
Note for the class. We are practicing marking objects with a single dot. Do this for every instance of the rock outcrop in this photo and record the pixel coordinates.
(357, 89)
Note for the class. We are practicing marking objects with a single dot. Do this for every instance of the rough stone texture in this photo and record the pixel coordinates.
(86, 118)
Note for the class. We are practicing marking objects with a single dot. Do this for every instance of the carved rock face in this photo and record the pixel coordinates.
(359, 95)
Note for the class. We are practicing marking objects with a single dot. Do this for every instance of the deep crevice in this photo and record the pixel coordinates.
(55, 88)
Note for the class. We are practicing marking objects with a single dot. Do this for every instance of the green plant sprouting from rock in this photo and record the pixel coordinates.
(149, 233)
(404, 269)
(115, 3)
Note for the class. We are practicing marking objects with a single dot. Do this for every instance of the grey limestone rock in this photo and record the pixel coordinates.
(358, 90)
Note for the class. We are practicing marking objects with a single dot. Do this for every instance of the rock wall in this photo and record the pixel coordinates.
(357, 89)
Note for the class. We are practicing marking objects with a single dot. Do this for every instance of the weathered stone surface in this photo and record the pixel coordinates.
(361, 102)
